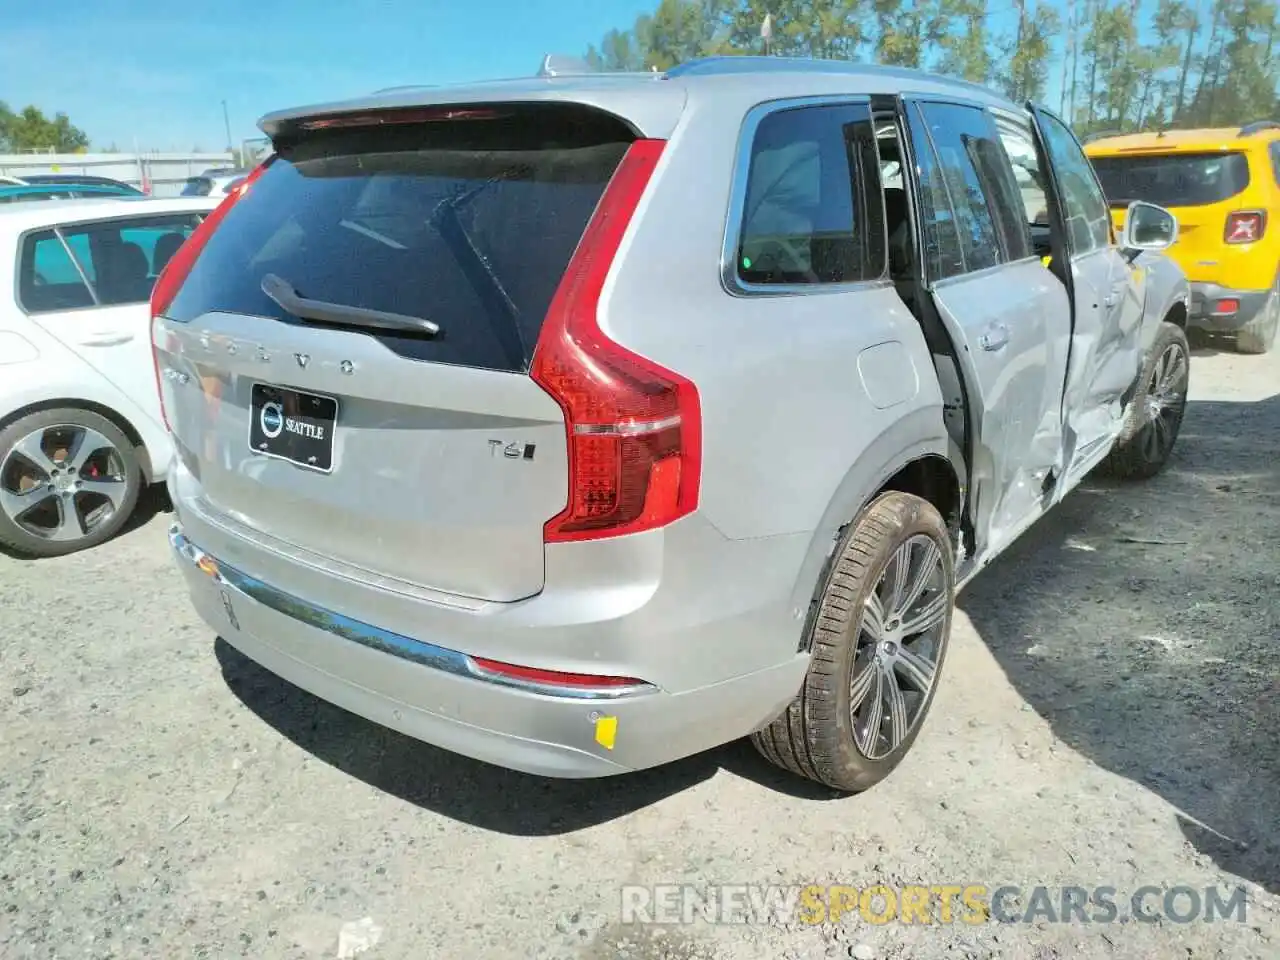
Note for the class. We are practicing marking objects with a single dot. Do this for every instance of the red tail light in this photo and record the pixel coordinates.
(634, 428)
(179, 267)
(1245, 226)
(554, 678)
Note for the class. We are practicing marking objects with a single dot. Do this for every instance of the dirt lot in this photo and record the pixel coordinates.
(1110, 716)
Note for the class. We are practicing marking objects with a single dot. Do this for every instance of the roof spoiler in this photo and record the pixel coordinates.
(1249, 129)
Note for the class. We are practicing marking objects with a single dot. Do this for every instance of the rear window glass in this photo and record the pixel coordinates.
(1173, 180)
(197, 187)
(806, 214)
(467, 223)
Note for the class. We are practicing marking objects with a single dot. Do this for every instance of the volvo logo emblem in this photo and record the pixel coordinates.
(302, 359)
(272, 419)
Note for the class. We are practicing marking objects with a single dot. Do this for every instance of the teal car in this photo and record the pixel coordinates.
(62, 191)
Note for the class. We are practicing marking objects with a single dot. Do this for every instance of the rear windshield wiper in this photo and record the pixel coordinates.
(282, 292)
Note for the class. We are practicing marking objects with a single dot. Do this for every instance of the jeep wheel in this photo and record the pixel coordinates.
(1155, 417)
(879, 641)
(1259, 334)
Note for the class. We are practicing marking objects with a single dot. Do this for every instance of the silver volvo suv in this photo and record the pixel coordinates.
(581, 423)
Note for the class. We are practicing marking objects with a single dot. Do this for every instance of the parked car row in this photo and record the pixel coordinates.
(580, 424)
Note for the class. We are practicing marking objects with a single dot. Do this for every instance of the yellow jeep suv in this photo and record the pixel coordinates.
(1223, 185)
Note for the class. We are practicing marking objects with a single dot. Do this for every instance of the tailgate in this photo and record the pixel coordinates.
(423, 453)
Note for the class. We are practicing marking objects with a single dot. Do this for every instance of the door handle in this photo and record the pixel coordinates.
(995, 337)
(105, 338)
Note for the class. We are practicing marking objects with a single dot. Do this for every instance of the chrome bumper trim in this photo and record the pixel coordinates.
(376, 638)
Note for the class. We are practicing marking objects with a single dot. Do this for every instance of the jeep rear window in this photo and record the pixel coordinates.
(1173, 179)
(469, 223)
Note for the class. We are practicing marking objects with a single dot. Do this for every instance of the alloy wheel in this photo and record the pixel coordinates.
(1166, 400)
(62, 482)
(899, 647)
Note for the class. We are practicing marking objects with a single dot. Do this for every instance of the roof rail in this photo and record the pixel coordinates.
(1249, 129)
(558, 65)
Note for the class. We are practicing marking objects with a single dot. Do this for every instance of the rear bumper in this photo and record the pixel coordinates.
(1206, 296)
(435, 693)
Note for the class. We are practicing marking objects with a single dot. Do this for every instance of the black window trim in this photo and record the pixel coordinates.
(729, 279)
(57, 230)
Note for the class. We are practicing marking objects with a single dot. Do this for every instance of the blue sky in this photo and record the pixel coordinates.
(129, 71)
(158, 72)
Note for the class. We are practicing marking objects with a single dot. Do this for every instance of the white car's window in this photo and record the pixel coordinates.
(48, 280)
(121, 259)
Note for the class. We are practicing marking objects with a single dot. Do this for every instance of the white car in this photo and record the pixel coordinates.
(214, 183)
(81, 429)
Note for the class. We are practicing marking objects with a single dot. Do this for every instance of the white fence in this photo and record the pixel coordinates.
(162, 173)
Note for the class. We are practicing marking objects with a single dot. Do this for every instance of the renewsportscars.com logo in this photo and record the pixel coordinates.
(939, 903)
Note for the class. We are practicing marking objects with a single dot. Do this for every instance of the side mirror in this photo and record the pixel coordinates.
(1148, 227)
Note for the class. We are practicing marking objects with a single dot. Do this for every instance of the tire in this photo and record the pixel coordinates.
(1258, 335)
(69, 480)
(1155, 416)
(826, 732)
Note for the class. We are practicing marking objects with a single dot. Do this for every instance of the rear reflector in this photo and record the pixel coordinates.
(179, 266)
(634, 427)
(1245, 226)
(552, 678)
(1223, 308)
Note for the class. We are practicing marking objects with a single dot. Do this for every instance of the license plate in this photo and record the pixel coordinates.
(292, 425)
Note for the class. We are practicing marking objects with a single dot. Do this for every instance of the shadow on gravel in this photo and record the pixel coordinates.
(467, 790)
(1143, 622)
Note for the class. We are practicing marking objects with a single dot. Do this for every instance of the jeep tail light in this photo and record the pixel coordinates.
(1245, 226)
(179, 267)
(634, 428)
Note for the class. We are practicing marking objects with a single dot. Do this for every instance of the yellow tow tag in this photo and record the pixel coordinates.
(606, 731)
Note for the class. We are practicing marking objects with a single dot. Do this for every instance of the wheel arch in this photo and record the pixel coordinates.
(932, 470)
(1177, 315)
(124, 424)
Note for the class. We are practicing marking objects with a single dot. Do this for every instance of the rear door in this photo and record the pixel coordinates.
(1008, 314)
(432, 459)
(87, 285)
(1106, 337)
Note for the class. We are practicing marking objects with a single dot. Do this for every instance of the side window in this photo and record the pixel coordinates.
(48, 280)
(1275, 160)
(813, 211)
(1088, 220)
(1020, 146)
(943, 256)
(979, 179)
(123, 258)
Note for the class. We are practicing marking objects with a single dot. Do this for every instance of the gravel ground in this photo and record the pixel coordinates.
(1110, 716)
